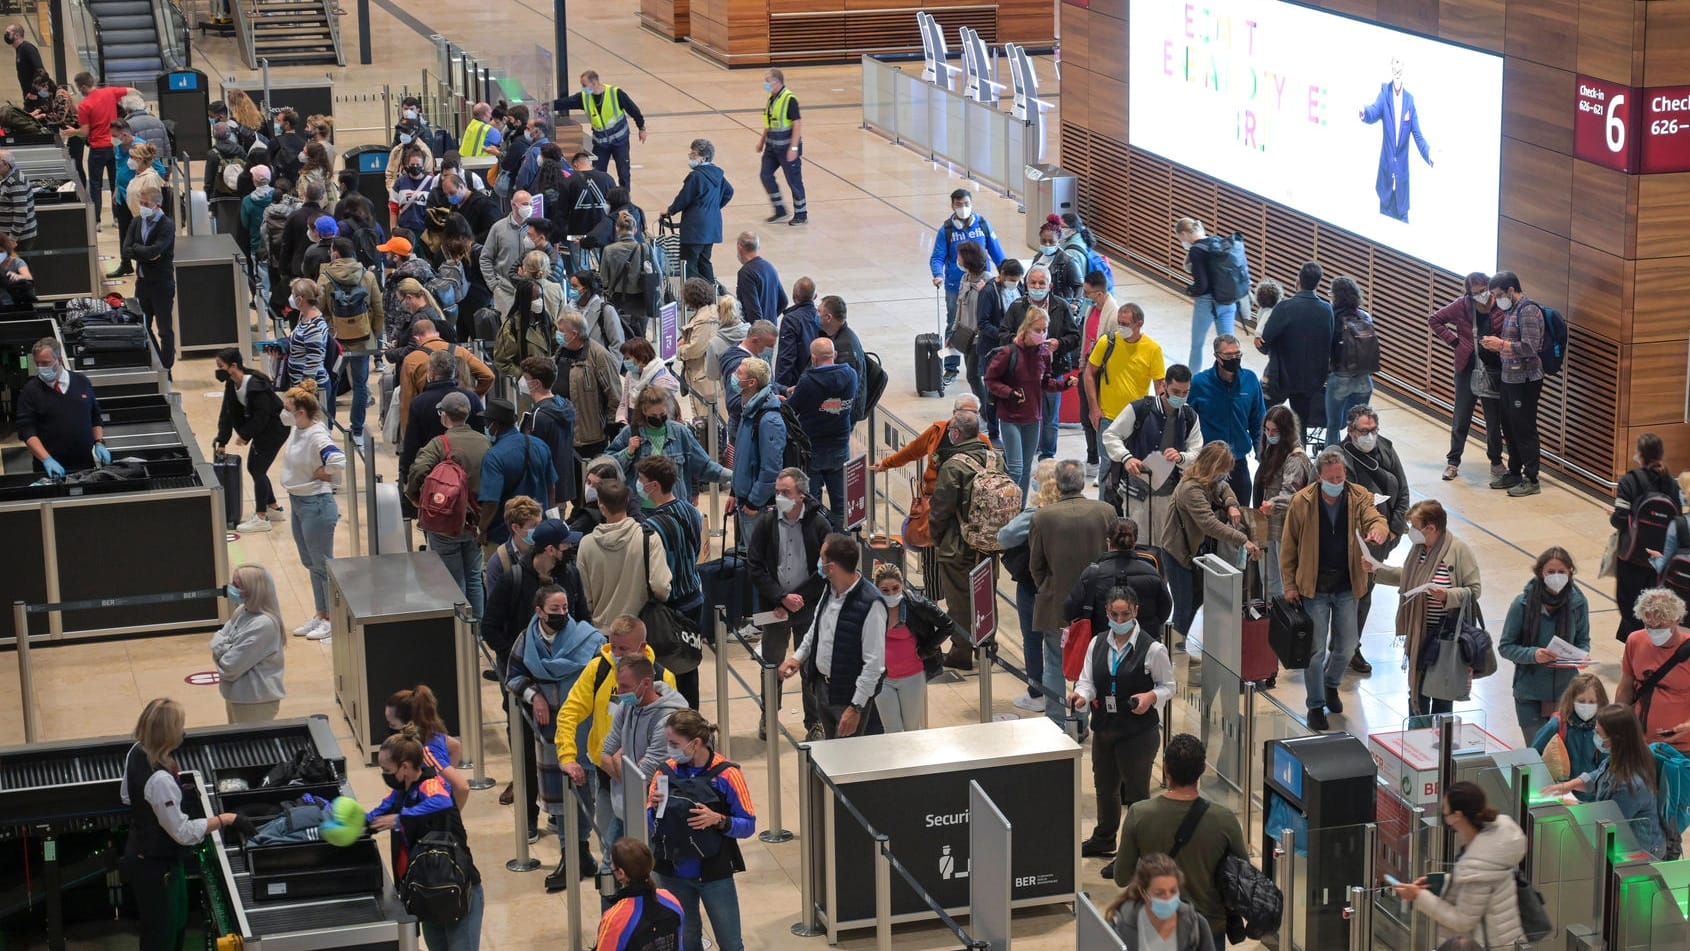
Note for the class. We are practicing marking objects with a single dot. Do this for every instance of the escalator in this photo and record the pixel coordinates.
(131, 53)
(289, 32)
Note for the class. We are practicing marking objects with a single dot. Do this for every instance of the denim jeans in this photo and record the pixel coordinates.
(1055, 687)
(358, 371)
(1047, 424)
(951, 362)
(462, 556)
(465, 934)
(721, 901)
(314, 518)
(1334, 613)
(1343, 392)
(1032, 642)
(1020, 448)
(102, 167)
(1204, 314)
(827, 470)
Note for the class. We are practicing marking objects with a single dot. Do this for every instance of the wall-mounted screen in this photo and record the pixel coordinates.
(1388, 134)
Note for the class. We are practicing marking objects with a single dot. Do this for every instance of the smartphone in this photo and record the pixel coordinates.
(1668, 731)
(1391, 880)
(1435, 882)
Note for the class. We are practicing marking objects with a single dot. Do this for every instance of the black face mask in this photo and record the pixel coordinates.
(656, 422)
(414, 170)
(222, 376)
(1230, 366)
(392, 781)
(555, 622)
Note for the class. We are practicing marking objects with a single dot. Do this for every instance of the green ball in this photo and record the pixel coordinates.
(345, 824)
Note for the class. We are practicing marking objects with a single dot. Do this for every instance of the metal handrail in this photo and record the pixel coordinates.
(181, 49)
(334, 30)
(243, 29)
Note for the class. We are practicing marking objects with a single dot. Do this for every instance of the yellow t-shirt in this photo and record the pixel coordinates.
(1132, 368)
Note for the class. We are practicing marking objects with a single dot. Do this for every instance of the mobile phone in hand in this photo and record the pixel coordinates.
(1391, 880)
(1667, 731)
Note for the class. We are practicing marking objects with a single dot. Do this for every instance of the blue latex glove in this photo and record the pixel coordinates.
(53, 468)
(102, 455)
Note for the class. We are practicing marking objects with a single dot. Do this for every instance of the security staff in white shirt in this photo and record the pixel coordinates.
(843, 655)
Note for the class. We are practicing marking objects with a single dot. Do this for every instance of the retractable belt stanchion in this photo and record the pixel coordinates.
(1286, 855)
(724, 737)
(882, 893)
(572, 859)
(1248, 775)
(808, 925)
(469, 699)
(983, 663)
(26, 674)
(519, 787)
(771, 727)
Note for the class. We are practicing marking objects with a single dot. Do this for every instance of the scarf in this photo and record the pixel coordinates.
(1411, 612)
(1540, 602)
(562, 660)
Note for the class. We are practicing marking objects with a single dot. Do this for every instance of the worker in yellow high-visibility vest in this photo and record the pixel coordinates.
(608, 110)
(482, 137)
(782, 144)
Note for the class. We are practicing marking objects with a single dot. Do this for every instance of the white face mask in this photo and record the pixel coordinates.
(785, 505)
(1366, 442)
(1659, 636)
(1506, 303)
(293, 303)
(1556, 581)
(1482, 298)
(134, 165)
(1416, 536)
(963, 214)
(538, 305)
(1585, 711)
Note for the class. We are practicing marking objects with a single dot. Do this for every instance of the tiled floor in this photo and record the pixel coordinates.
(873, 207)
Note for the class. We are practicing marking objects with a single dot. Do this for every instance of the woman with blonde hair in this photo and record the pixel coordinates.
(311, 461)
(1149, 912)
(248, 649)
(160, 833)
(1568, 741)
(1013, 540)
(1206, 514)
(244, 111)
(916, 630)
(315, 169)
(1018, 377)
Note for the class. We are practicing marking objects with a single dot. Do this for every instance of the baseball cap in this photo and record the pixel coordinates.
(554, 531)
(394, 245)
(326, 227)
(454, 403)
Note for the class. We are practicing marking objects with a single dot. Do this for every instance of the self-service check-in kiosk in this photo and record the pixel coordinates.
(1321, 788)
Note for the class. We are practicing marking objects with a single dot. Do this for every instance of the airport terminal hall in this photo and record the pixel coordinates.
(668, 475)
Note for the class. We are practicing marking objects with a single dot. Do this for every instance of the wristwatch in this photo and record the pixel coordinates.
(857, 707)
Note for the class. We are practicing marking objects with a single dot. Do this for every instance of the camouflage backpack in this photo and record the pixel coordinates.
(993, 500)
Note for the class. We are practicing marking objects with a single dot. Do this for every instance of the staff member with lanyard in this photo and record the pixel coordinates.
(160, 835)
(58, 416)
(782, 144)
(608, 109)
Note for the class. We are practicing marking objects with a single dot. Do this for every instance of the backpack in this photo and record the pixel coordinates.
(1672, 785)
(1229, 272)
(436, 887)
(1358, 344)
(1552, 350)
(1097, 262)
(348, 300)
(229, 175)
(445, 292)
(275, 219)
(1646, 527)
(364, 242)
(1534, 918)
(1675, 574)
(671, 838)
(16, 121)
(1248, 893)
(993, 499)
(443, 502)
(875, 387)
(798, 451)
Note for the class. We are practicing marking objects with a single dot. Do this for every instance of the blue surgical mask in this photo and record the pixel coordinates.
(630, 366)
(1164, 908)
(733, 383)
(235, 594)
(404, 138)
(1175, 402)
(456, 198)
(47, 374)
(626, 699)
(1122, 627)
(528, 537)
(1037, 293)
(694, 162)
(1601, 744)
(1273, 440)
(1047, 249)
(768, 86)
(558, 336)
(820, 562)
(1332, 490)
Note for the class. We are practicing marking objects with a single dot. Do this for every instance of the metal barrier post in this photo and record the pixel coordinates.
(724, 738)
(571, 860)
(809, 925)
(519, 786)
(771, 727)
(634, 786)
(469, 699)
(1355, 913)
(983, 662)
(353, 518)
(882, 894)
(1416, 863)
(1248, 770)
(1286, 855)
(26, 674)
(1446, 776)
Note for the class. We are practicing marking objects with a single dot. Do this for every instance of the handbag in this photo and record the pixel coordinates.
(674, 637)
(1610, 556)
(918, 533)
(1444, 675)
(1484, 382)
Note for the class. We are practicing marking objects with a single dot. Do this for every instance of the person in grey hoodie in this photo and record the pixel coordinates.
(248, 649)
(639, 712)
(1149, 912)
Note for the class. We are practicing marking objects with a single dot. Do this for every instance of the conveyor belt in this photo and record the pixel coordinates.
(47, 766)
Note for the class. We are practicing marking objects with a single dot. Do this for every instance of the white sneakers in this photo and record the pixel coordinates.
(314, 629)
(257, 523)
(1028, 702)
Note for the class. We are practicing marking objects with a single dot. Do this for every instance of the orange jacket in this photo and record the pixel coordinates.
(924, 445)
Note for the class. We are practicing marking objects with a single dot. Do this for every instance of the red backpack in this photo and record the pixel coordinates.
(443, 503)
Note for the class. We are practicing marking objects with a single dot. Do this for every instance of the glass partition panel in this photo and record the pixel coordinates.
(1326, 862)
(1653, 907)
(878, 103)
(910, 99)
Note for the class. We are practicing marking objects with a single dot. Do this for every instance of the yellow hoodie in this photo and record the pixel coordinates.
(583, 702)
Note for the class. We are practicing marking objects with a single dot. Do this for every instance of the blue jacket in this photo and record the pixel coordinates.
(700, 202)
(798, 328)
(679, 444)
(1229, 412)
(945, 243)
(760, 295)
(531, 168)
(1581, 746)
(514, 465)
(823, 401)
(759, 449)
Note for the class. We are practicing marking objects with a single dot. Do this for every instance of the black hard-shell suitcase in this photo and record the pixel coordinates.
(110, 338)
(228, 468)
(1290, 633)
(928, 369)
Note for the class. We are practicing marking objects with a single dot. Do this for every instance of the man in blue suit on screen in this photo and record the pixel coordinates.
(1394, 110)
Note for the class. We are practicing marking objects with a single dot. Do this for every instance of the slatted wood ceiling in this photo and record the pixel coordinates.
(1131, 198)
(862, 31)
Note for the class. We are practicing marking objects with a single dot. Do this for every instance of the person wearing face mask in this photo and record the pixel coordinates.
(679, 525)
(638, 728)
(781, 544)
(482, 137)
(1478, 898)
(421, 803)
(608, 110)
(651, 431)
(545, 661)
(603, 324)
(1229, 403)
(1150, 912)
(642, 369)
(248, 649)
(1351, 382)
(962, 226)
(622, 565)
(847, 640)
(123, 207)
(703, 195)
(1297, 338)
(962, 456)
(587, 376)
(296, 239)
(995, 302)
(1017, 377)
(1443, 561)
(503, 250)
(516, 464)
(286, 144)
(17, 283)
(1647, 479)
(1049, 256)
(1568, 741)
(586, 514)
(782, 146)
(916, 631)
(1559, 609)
(1478, 372)
(1122, 363)
(1654, 678)
(523, 515)
(552, 421)
(407, 197)
(1321, 566)
(151, 243)
(539, 135)
(28, 62)
(1626, 778)
(759, 340)
(251, 413)
(693, 350)
(824, 401)
(316, 166)
(311, 461)
(1204, 513)
(1161, 423)
(1517, 336)
(1285, 470)
(467, 448)
(1063, 345)
(1374, 464)
(640, 911)
(526, 331)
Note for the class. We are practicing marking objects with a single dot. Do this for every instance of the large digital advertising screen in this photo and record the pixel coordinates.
(1390, 135)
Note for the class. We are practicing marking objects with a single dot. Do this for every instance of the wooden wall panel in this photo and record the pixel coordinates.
(1604, 208)
(1106, 8)
(1610, 39)
(1599, 291)
(1663, 215)
(1537, 186)
(1662, 287)
(1031, 22)
(1109, 107)
(1657, 382)
(1537, 104)
(1540, 258)
(1478, 23)
(1544, 32)
(1666, 46)
(1076, 41)
(1365, 9)
(1420, 16)
(1075, 103)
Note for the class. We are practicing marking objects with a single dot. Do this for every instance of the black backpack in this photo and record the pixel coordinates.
(874, 387)
(1646, 527)
(1358, 346)
(671, 838)
(1675, 574)
(798, 451)
(436, 887)
(1229, 270)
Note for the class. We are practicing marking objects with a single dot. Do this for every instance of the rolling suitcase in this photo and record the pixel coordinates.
(928, 367)
(228, 468)
(1291, 633)
(1257, 661)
